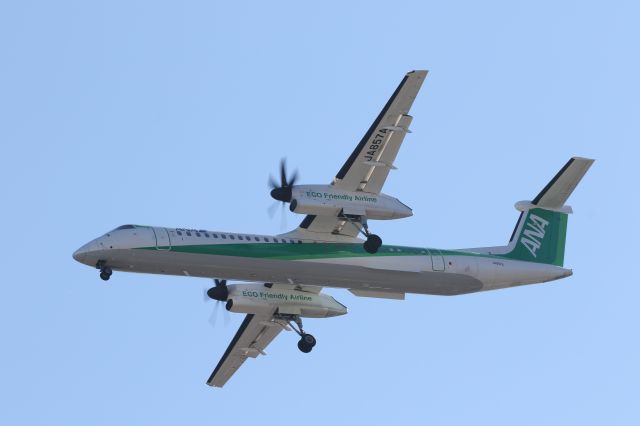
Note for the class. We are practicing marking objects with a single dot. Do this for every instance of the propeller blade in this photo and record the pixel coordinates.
(293, 178)
(283, 219)
(283, 173)
(272, 209)
(272, 183)
(214, 315)
(226, 316)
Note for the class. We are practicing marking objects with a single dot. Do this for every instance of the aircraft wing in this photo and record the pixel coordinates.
(368, 166)
(253, 336)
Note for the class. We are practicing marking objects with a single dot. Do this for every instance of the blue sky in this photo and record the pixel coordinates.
(174, 114)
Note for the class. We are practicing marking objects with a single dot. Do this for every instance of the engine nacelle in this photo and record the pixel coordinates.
(245, 306)
(259, 299)
(324, 200)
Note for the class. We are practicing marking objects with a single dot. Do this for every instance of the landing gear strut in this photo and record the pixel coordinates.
(105, 271)
(307, 341)
(373, 242)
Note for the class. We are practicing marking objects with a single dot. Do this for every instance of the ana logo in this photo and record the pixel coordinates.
(534, 233)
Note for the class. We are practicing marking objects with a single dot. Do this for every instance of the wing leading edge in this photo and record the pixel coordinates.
(253, 336)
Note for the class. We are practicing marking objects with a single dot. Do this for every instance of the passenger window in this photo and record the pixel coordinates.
(215, 235)
(266, 239)
(197, 234)
(232, 237)
(248, 238)
(206, 235)
(256, 238)
(292, 242)
(224, 237)
(179, 232)
(240, 237)
(188, 233)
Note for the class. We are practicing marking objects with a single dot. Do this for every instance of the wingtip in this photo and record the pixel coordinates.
(589, 160)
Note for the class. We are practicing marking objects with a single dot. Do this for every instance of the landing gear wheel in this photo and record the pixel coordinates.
(304, 346)
(309, 339)
(372, 244)
(105, 273)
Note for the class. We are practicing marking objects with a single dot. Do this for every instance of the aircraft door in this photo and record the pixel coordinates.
(437, 260)
(163, 241)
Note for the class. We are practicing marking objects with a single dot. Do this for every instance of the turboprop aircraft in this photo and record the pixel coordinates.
(286, 273)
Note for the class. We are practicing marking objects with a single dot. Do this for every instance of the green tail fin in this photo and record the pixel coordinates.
(541, 231)
(540, 236)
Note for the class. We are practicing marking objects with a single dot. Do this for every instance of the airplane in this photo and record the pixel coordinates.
(281, 277)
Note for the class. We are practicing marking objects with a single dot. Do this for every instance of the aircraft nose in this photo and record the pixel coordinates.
(82, 253)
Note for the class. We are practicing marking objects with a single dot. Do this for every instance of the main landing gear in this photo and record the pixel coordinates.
(105, 271)
(373, 242)
(307, 341)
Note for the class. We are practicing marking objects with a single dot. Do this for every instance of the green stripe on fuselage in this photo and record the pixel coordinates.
(306, 251)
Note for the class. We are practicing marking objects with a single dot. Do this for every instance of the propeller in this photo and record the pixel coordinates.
(282, 192)
(219, 293)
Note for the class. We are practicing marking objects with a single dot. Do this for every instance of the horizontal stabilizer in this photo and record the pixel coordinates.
(556, 193)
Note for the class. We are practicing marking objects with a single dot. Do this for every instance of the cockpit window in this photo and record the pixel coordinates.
(124, 227)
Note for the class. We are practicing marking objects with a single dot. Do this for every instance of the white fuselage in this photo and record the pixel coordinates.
(341, 264)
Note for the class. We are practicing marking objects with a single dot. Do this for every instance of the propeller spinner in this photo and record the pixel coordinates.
(220, 292)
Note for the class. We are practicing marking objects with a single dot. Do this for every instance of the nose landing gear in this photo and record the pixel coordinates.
(105, 274)
(105, 271)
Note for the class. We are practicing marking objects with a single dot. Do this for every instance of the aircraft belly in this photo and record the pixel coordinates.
(326, 273)
(389, 263)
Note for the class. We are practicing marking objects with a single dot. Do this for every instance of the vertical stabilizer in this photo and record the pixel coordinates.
(541, 232)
